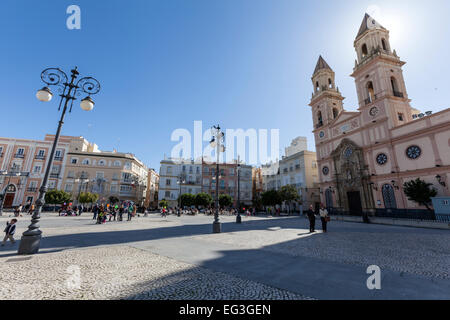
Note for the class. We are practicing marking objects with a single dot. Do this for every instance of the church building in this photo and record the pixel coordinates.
(365, 156)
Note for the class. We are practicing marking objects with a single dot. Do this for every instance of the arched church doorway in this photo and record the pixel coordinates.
(354, 203)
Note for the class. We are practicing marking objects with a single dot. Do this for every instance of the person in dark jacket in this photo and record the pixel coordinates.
(9, 232)
(312, 218)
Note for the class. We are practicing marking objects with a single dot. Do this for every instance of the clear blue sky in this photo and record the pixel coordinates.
(165, 63)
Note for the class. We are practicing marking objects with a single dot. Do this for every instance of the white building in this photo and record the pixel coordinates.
(297, 145)
(174, 171)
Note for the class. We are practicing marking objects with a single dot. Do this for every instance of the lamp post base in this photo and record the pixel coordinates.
(238, 219)
(216, 227)
(29, 244)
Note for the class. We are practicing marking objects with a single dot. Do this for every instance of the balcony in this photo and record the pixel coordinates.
(54, 175)
(19, 156)
(32, 189)
(38, 157)
(58, 158)
(398, 94)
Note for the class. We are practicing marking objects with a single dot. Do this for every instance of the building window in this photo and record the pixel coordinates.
(382, 159)
(102, 163)
(74, 161)
(389, 197)
(413, 152)
(117, 163)
(20, 151)
(400, 116)
(335, 113)
(71, 174)
(364, 50)
(37, 169)
(169, 170)
(68, 187)
(319, 119)
(86, 162)
(167, 182)
(383, 43)
(126, 177)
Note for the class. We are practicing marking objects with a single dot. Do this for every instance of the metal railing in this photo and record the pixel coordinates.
(32, 189)
(38, 157)
(20, 156)
(407, 214)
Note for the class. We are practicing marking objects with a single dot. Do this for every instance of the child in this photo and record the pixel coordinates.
(10, 230)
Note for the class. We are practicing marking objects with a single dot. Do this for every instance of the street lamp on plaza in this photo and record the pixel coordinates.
(180, 182)
(238, 217)
(217, 142)
(31, 238)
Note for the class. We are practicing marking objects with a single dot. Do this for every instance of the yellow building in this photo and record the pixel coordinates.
(106, 173)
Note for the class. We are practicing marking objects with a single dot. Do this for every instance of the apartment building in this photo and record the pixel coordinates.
(151, 197)
(23, 163)
(298, 168)
(106, 173)
(228, 181)
(179, 176)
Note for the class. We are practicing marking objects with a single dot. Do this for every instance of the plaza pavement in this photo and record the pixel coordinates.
(263, 258)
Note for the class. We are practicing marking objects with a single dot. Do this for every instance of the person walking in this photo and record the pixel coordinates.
(9, 232)
(95, 211)
(121, 209)
(312, 219)
(323, 212)
(130, 212)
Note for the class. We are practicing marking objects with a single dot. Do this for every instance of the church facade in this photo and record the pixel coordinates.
(364, 157)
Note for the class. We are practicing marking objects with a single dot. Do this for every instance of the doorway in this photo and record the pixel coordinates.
(9, 199)
(354, 203)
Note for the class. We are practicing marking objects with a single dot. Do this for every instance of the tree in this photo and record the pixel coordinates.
(57, 197)
(113, 199)
(270, 198)
(203, 199)
(187, 200)
(420, 192)
(289, 193)
(163, 203)
(225, 200)
(87, 197)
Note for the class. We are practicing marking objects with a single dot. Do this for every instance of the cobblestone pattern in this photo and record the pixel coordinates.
(410, 250)
(122, 272)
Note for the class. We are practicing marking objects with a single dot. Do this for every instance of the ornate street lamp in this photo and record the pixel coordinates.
(217, 142)
(31, 238)
(238, 217)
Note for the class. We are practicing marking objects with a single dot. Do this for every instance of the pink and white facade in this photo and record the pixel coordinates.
(364, 157)
(29, 158)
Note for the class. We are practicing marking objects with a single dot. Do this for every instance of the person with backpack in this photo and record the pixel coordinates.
(9, 232)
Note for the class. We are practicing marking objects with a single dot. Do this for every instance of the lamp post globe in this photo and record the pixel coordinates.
(87, 104)
(44, 94)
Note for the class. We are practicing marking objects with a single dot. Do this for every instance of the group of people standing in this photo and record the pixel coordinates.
(102, 212)
(323, 214)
